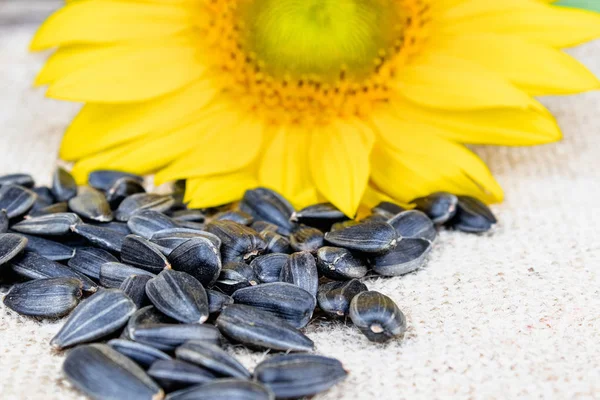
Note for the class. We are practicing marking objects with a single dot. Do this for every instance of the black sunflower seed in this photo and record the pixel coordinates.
(135, 287)
(3, 221)
(168, 337)
(259, 329)
(234, 276)
(103, 373)
(142, 354)
(306, 238)
(45, 197)
(48, 225)
(120, 227)
(334, 297)
(11, 245)
(98, 316)
(264, 226)
(55, 208)
(24, 180)
(16, 200)
(107, 239)
(192, 215)
(377, 316)
(224, 389)
(387, 209)
(407, 256)
(49, 298)
(145, 317)
(91, 204)
(143, 201)
(283, 300)
(176, 374)
(439, 206)
(121, 189)
(299, 375)
(472, 216)
(321, 216)
(345, 224)
(414, 224)
(234, 215)
(276, 243)
(340, 264)
(145, 223)
(88, 260)
(266, 205)
(48, 248)
(144, 254)
(213, 358)
(64, 186)
(301, 270)
(378, 218)
(171, 238)
(217, 301)
(238, 242)
(371, 237)
(105, 179)
(268, 267)
(198, 257)
(113, 274)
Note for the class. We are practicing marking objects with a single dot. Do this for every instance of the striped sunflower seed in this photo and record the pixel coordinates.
(145, 317)
(171, 238)
(264, 226)
(64, 187)
(105, 179)
(217, 301)
(144, 254)
(371, 237)
(142, 354)
(45, 197)
(113, 274)
(3, 221)
(334, 297)
(178, 295)
(123, 188)
(98, 316)
(283, 300)
(261, 330)
(145, 223)
(266, 205)
(11, 245)
(56, 208)
(49, 298)
(91, 204)
(321, 216)
(174, 375)
(143, 201)
(168, 337)
(408, 256)
(120, 227)
(49, 249)
(339, 263)
(58, 224)
(387, 209)
(107, 239)
(240, 217)
(301, 270)
(224, 389)
(276, 243)
(24, 180)
(198, 257)
(88, 260)
(377, 316)
(16, 200)
(378, 218)
(238, 242)
(103, 373)
(135, 287)
(234, 276)
(472, 216)
(345, 224)
(439, 206)
(268, 267)
(213, 358)
(414, 224)
(306, 238)
(292, 376)
(192, 215)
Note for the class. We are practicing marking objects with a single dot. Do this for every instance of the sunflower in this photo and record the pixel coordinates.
(349, 101)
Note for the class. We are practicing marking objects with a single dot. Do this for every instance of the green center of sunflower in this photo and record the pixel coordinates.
(320, 39)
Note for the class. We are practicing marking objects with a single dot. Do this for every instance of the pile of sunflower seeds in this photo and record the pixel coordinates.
(154, 291)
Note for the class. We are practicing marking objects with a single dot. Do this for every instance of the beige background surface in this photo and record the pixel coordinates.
(512, 314)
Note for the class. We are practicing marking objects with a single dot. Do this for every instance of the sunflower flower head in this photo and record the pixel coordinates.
(350, 101)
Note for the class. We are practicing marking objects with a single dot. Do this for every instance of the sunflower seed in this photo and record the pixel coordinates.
(340, 264)
(439, 206)
(268, 267)
(104, 179)
(236, 275)
(377, 316)
(292, 376)
(123, 188)
(45, 197)
(378, 218)
(264, 226)
(113, 274)
(55, 208)
(178, 194)
(49, 298)
(98, 316)
(224, 389)
(24, 180)
(3, 221)
(472, 216)
(142, 354)
(147, 222)
(321, 216)
(176, 374)
(135, 287)
(11, 245)
(142, 253)
(387, 209)
(197, 226)
(16, 200)
(238, 242)
(188, 215)
(120, 227)
(407, 256)
(213, 358)
(233, 215)
(103, 373)
(91, 204)
(334, 297)
(178, 295)
(143, 201)
(107, 239)
(167, 337)
(145, 317)
(414, 224)
(64, 186)
(88, 260)
(49, 249)
(372, 237)
(301, 270)
(276, 243)
(217, 301)
(283, 300)
(198, 257)
(266, 205)
(341, 225)
(33, 266)
(48, 225)
(306, 238)
(171, 238)
(259, 329)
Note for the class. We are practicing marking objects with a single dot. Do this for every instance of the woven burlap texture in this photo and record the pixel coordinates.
(511, 314)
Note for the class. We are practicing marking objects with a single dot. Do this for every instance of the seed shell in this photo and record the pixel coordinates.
(321, 216)
(259, 329)
(143, 201)
(45, 196)
(113, 274)
(98, 316)
(188, 215)
(217, 301)
(24, 180)
(145, 317)
(234, 215)
(266, 205)
(105, 179)
(306, 238)
(198, 257)
(340, 264)
(120, 227)
(123, 188)
(88, 260)
(176, 374)
(407, 256)
(107, 239)
(16, 200)
(11, 245)
(377, 316)
(91, 204)
(213, 358)
(58, 224)
(472, 216)
(144, 254)
(145, 223)
(103, 373)
(56, 208)
(167, 337)
(414, 224)
(64, 187)
(135, 287)
(334, 297)
(301, 270)
(3, 221)
(236, 275)
(142, 354)
(225, 389)
(292, 376)
(439, 206)
(176, 236)
(49, 298)
(371, 237)
(387, 209)
(238, 242)
(268, 267)
(48, 248)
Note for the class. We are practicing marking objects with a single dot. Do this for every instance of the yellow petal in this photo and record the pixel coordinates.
(411, 160)
(215, 190)
(136, 75)
(536, 68)
(426, 82)
(340, 164)
(102, 126)
(110, 21)
(285, 166)
(229, 144)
